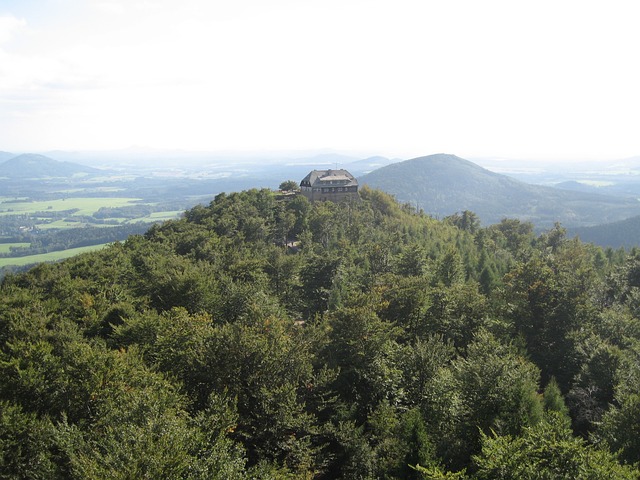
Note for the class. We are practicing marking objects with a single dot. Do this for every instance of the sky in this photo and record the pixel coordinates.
(537, 79)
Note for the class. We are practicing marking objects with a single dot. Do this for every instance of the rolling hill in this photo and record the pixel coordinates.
(444, 184)
(34, 166)
(6, 156)
(625, 233)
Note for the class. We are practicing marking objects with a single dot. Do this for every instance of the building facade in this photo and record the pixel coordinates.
(329, 185)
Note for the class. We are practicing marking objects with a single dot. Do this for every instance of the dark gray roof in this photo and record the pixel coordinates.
(323, 177)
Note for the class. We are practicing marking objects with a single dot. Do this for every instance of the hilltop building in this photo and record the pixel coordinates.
(329, 185)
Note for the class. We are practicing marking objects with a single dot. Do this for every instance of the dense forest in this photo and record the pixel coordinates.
(265, 337)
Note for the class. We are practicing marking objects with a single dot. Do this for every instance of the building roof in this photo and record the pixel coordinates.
(323, 177)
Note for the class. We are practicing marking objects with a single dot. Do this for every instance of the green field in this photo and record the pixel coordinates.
(86, 190)
(48, 257)
(12, 199)
(166, 215)
(158, 216)
(6, 247)
(154, 217)
(60, 224)
(85, 206)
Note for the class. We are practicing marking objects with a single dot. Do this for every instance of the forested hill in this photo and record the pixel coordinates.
(624, 233)
(258, 338)
(444, 184)
(31, 165)
(6, 156)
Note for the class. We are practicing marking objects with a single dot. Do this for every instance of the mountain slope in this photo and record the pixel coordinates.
(444, 184)
(6, 156)
(625, 233)
(30, 165)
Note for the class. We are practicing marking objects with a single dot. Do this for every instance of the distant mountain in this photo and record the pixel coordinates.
(444, 184)
(6, 156)
(370, 164)
(147, 158)
(625, 233)
(328, 159)
(31, 165)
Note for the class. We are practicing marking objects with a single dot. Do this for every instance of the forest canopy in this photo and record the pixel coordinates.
(269, 337)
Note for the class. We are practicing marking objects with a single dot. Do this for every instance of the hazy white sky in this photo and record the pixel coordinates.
(534, 79)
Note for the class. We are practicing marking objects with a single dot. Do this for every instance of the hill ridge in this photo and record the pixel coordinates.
(34, 165)
(443, 184)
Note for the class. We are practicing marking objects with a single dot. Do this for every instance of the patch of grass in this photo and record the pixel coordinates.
(121, 221)
(167, 215)
(48, 257)
(6, 247)
(158, 217)
(60, 224)
(13, 199)
(85, 206)
(88, 190)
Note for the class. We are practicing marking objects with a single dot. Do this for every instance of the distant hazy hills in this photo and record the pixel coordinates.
(33, 166)
(367, 165)
(440, 185)
(444, 184)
